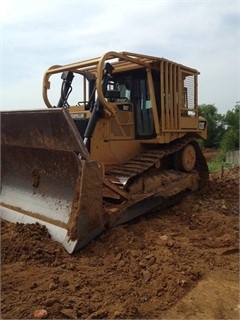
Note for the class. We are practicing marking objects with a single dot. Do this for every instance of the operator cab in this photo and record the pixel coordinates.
(132, 87)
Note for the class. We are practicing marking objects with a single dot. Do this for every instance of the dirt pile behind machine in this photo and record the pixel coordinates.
(126, 146)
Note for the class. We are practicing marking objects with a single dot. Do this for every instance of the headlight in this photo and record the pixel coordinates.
(202, 125)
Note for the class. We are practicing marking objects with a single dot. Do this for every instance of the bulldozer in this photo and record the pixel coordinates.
(126, 145)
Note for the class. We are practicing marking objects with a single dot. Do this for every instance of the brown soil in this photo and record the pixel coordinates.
(178, 263)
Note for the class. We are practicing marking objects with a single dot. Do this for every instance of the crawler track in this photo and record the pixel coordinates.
(124, 174)
(150, 180)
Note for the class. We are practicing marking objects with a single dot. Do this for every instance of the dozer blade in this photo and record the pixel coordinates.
(47, 176)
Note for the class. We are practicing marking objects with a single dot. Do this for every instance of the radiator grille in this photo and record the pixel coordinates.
(189, 101)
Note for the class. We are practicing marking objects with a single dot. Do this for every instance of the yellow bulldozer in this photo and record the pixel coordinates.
(126, 146)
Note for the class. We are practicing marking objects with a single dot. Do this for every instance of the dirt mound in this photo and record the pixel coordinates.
(143, 269)
(30, 242)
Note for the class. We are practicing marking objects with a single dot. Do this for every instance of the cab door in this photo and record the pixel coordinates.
(144, 124)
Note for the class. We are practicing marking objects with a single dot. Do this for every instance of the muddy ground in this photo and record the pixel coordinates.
(178, 263)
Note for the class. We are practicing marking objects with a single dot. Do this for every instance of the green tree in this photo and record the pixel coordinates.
(230, 140)
(216, 128)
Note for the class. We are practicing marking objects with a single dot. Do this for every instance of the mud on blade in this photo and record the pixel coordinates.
(44, 180)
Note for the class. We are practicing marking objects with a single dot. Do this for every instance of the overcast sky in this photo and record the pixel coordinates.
(200, 34)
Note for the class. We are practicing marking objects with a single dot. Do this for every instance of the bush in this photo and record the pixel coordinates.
(218, 162)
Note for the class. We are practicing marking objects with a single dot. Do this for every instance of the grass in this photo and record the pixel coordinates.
(218, 162)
